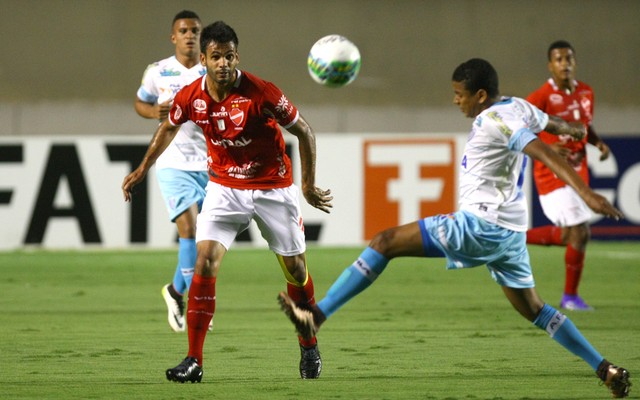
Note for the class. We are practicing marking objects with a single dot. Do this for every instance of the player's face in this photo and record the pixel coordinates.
(186, 36)
(562, 66)
(221, 60)
(469, 103)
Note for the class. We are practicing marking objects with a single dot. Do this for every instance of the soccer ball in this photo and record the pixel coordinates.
(334, 61)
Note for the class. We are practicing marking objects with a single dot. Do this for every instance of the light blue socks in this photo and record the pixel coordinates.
(563, 331)
(353, 280)
(186, 263)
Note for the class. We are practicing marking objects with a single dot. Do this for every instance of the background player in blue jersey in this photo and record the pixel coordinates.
(182, 168)
(490, 226)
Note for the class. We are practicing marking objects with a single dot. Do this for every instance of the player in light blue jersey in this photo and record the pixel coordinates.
(182, 169)
(490, 226)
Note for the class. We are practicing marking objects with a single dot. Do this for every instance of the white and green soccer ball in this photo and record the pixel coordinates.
(334, 61)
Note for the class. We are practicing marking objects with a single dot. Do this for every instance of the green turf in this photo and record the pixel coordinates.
(92, 325)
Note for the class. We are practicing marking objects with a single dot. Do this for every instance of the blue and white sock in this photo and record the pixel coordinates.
(353, 280)
(563, 331)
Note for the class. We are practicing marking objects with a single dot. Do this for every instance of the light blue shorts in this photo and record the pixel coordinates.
(468, 241)
(181, 189)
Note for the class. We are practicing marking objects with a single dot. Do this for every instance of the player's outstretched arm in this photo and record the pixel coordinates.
(316, 197)
(538, 150)
(161, 139)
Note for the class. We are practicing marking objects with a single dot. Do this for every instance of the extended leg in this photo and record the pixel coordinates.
(562, 330)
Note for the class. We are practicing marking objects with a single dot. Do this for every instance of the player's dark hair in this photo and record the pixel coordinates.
(477, 74)
(559, 44)
(217, 32)
(185, 14)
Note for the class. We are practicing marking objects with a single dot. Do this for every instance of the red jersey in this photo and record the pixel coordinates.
(576, 106)
(245, 146)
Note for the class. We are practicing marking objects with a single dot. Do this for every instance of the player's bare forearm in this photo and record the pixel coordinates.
(315, 196)
(536, 149)
(159, 142)
(542, 152)
(144, 109)
(558, 126)
(161, 139)
(152, 111)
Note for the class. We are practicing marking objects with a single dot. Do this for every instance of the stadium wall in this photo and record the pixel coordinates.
(72, 67)
(64, 192)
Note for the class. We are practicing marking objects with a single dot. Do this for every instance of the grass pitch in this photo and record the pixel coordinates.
(92, 325)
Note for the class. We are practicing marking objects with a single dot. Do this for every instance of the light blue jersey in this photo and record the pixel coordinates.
(182, 168)
(489, 227)
(160, 82)
(493, 162)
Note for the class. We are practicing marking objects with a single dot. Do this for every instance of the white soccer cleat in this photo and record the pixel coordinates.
(175, 310)
(301, 319)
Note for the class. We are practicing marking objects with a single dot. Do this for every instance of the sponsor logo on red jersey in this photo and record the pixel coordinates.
(200, 105)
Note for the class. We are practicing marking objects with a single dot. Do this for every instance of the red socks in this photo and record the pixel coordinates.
(545, 235)
(202, 304)
(305, 296)
(574, 261)
(200, 309)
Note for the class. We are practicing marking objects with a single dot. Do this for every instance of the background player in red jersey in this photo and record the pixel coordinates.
(572, 100)
(250, 179)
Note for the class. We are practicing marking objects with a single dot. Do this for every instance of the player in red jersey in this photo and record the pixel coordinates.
(250, 179)
(572, 100)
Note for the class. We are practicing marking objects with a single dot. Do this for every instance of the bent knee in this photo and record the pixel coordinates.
(579, 234)
(383, 242)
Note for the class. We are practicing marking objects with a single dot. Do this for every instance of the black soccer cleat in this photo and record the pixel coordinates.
(310, 362)
(187, 370)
